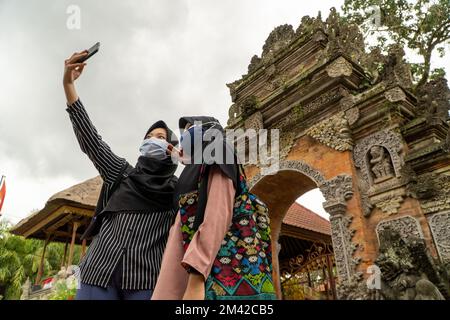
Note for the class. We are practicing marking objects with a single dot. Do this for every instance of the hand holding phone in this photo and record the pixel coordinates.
(90, 52)
(174, 153)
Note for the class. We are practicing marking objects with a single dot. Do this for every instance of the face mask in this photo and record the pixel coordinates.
(191, 143)
(187, 138)
(154, 148)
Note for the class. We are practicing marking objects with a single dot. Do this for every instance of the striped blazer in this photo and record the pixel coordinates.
(135, 240)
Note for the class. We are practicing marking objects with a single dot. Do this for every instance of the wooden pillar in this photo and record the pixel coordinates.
(41, 264)
(325, 282)
(63, 262)
(331, 275)
(83, 248)
(72, 243)
(309, 279)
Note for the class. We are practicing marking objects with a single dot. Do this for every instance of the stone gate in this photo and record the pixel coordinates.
(353, 125)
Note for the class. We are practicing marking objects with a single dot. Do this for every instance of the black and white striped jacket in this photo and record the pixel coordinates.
(137, 239)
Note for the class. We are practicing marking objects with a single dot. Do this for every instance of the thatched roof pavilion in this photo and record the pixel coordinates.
(64, 218)
(75, 204)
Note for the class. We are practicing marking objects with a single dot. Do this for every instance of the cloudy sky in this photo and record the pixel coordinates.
(158, 60)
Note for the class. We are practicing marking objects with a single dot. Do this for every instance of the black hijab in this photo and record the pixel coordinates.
(189, 178)
(150, 185)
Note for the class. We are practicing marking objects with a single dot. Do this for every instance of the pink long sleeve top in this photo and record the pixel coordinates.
(205, 244)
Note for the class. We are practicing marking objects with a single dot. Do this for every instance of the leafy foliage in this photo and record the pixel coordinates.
(64, 290)
(421, 25)
(20, 258)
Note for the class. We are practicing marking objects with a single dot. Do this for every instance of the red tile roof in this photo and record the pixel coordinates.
(301, 217)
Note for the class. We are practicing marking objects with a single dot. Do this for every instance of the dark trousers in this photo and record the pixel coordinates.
(113, 291)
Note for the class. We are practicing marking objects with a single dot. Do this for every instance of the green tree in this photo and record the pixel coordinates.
(20, 258)
(421, 25)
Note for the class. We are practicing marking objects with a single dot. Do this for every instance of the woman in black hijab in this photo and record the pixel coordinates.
(212, 182)
(135, 209)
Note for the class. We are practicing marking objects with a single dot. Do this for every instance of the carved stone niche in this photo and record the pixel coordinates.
(380, 160)
(440, 228)
(379, 156)
(406, 226)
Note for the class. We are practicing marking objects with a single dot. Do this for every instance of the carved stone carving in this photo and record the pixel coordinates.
(275, 78)
(333, 132)
(391, 141)
(248, 106)
(343, 246)
(286, 143)
(446, 146)
(407, 270)
(374, 63)
(352, 115)
(233, 115)
(26, 288)
(406, 226)
(337, 191)
(420, 187)
(395, 94)
(343, 38)
(324, 99)
(392, 69)
(339, 67)
(295, 165)
(396, 70)
(440, 228)
(328, 55)
(440, 199)
(434, 100)
(255, 63)
(390, 204)
(309, 26)
(379, 158)
(380, 164)
(278, 39)
(255, 121)
(367, 206)
(355, 289)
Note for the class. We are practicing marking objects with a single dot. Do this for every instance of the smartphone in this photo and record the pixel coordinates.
(174, 152)
(92, 50)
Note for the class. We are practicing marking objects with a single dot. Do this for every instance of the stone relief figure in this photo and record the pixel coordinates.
(426, 290)
(407, 270)
(380, 164)
(434, 100)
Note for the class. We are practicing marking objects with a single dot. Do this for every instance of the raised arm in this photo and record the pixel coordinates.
(107, 163)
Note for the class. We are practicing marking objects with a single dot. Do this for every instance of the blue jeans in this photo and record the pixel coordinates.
(113, 291)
